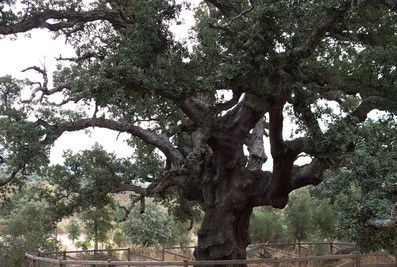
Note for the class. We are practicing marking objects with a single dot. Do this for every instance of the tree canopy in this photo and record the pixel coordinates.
(199, 111)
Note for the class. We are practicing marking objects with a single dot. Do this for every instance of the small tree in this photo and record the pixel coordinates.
(364, 192)
(298, 215)
(118, 239)
(74, 230)
(98, 223)
(267, 226)
(153, 227)
(25, 225)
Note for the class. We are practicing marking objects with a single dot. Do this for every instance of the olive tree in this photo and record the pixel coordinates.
(203, 109)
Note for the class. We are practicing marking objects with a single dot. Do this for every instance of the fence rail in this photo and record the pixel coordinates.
(345, 260)
(61, 262)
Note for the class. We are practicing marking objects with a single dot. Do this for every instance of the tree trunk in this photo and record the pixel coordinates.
(224, 234)
(228, 189)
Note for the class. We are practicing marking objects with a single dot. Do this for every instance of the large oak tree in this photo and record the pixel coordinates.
(206, 106)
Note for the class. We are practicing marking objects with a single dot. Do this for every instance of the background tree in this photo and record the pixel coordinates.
(193, 111)
(153, 227)
(268, 226)
(309, 218)
(98, 223)
(298, 215)
(119, 239)
(73, 229)
(25, 225)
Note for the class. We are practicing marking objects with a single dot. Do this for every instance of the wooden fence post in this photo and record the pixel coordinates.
(299, 248)
(331, 247)
(358, 260)
(185, 263)
(299, 253)
(129, 255)
(64, 258)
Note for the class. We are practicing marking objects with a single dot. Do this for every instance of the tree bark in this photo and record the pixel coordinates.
(224, 232)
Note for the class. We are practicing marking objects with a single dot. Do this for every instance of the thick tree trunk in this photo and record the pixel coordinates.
(228, 189)
(224, 234)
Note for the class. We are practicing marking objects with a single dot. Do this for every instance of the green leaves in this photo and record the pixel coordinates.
(365, 189)
(98, 221)
(74, 230)
(267, 226)
(88, 178)
(25, 225)
(153, 227)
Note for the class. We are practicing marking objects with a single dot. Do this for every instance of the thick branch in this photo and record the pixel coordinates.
(276, 131)
(241, 119)
(66, 18)
(10, 178)
(309, 174)
(388, 223)
(159, 141)
(371, 103)
(194, 109)
(229, 104)
(283, 160)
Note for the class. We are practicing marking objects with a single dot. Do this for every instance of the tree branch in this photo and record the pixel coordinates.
(324, 26)
(388, 223)
(159, 141)
(44, 87)
(224, 6)
(10, 178)
(311, 173)
(240, 119)
(229, 104)
(370, 103)
(276, 131)
(66, 18)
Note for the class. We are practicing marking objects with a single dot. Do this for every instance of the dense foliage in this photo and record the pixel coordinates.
(199, 112)
(154, 227)
(25, 225)
(364, 191)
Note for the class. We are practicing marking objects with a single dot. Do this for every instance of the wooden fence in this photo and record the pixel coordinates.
(108, 252)
(64, 259)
